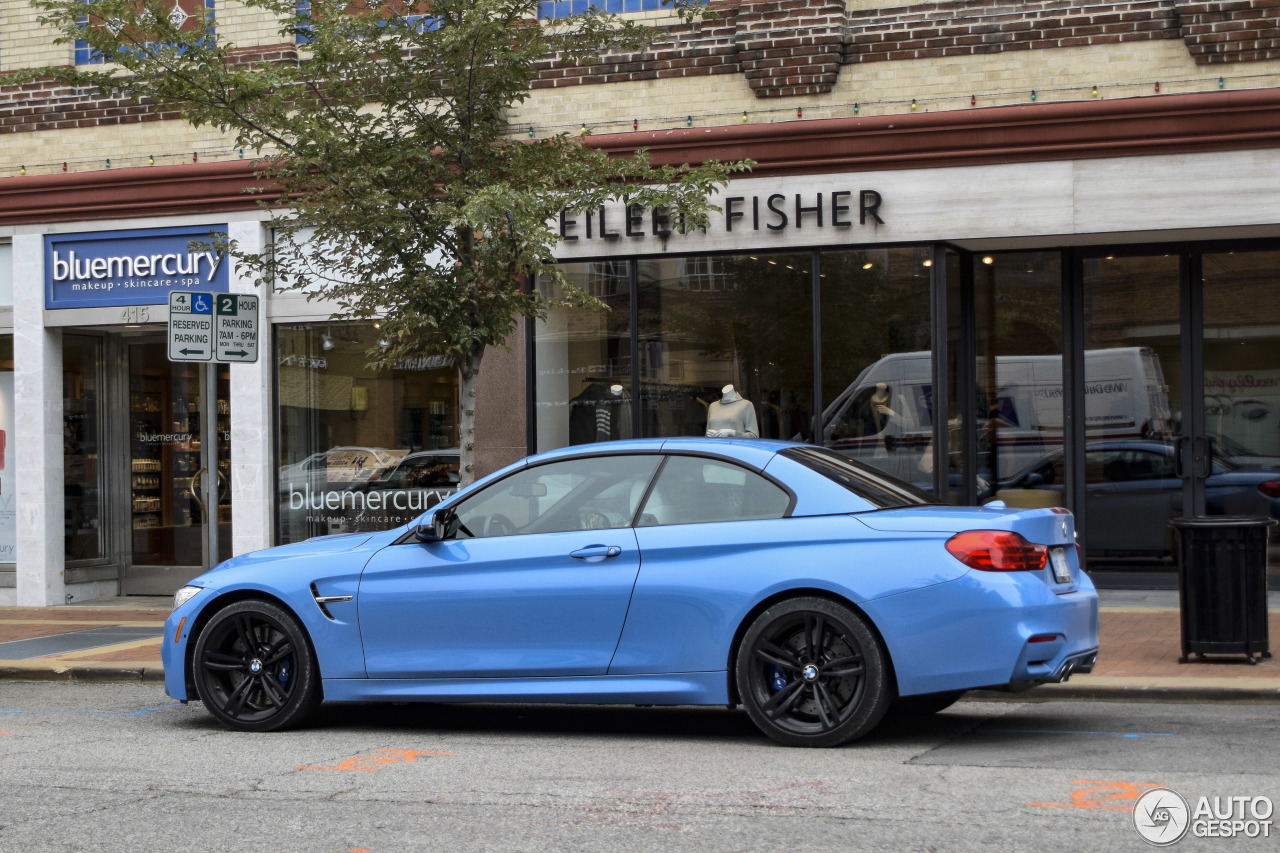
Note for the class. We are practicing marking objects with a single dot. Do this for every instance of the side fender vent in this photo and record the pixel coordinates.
(322, 600)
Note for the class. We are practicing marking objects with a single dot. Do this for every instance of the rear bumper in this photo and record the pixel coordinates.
(989, 630)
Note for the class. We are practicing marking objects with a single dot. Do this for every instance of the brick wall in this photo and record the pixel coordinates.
(765, 57)
(45, 106)
(931, 30)
(1230, 30)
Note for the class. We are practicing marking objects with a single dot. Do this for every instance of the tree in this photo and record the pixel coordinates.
(399, 188)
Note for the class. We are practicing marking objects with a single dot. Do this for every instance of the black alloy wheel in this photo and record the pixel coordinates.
(811, 673)
(255, 669)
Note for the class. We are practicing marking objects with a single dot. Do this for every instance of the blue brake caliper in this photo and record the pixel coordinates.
(777, 679)
(282, 672)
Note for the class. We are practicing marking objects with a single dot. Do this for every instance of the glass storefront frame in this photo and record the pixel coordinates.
(955, 350)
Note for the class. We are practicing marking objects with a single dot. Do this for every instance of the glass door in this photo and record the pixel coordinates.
(179, 469)
(1241, 380)
(1135, 397)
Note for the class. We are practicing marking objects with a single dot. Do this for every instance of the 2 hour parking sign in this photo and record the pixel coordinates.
(235, 327)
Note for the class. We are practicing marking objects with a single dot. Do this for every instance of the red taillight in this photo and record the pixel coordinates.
(1271, 488)
(997, 551)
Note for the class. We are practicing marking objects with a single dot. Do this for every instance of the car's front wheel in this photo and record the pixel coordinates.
(255, 669)
(811, 673)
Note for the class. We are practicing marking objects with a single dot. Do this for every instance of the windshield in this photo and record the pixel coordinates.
(876, 487)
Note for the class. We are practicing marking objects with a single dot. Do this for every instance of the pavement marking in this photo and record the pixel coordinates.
(59, 623)
(89, 713)
(1068, 732)
(1110, 796)
(116, 647)
(389, 756)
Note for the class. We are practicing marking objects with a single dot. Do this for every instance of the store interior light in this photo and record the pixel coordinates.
(868, 265)
(326, 342)
(988, 260)
(928, 262)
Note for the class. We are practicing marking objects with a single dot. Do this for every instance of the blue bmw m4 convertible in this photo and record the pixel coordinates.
(816, 592)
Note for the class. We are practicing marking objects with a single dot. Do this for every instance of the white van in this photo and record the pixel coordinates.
(885, 416)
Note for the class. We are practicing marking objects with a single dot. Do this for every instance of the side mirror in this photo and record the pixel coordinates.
(435, 528)
(1034, 480)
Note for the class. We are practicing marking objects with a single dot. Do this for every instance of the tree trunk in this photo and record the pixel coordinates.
(470, 372)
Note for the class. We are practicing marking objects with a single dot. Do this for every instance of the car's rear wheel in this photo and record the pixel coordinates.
(255, 669)
(811, 673)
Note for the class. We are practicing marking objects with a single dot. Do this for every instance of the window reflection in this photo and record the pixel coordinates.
(709, 323)
(877, 368)
(1018, 297)
(81, 426)
(583, 358)
(360, 449)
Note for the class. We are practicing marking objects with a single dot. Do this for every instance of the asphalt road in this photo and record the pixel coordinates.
(120, 767)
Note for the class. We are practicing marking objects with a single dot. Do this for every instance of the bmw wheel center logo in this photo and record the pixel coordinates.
(255, 666)
(810, 672)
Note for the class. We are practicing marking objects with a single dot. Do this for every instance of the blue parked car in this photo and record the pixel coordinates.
(814, 591)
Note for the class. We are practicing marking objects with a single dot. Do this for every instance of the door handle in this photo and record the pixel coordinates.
(596, 553)
(1180, 449)
(195, 492)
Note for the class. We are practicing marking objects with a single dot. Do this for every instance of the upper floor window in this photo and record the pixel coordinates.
(416, 19)
(565, 8)
(182, 15)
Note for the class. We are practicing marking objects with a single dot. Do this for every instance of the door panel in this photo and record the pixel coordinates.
(179, 511)
(498, 606)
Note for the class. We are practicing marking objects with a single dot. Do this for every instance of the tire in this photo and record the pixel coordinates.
(811, 673)
(255, 669)
(923, 706)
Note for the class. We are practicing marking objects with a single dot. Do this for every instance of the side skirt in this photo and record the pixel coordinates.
(686, 688)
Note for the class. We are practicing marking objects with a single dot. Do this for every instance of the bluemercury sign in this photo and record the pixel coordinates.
(107, 268)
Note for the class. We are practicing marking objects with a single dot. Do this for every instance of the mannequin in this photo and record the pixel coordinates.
(731, 416)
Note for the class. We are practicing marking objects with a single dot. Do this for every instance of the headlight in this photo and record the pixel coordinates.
(184, 595)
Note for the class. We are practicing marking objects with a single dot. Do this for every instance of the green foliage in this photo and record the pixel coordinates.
(388, 151)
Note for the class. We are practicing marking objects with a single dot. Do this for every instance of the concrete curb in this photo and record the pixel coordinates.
(87, 674)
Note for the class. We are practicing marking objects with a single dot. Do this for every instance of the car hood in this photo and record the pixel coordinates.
(314, 547)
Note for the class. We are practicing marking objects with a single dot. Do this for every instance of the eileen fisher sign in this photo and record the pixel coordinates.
(130, 267)
(734, 213)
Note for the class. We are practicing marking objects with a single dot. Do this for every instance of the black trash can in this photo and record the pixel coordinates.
(1222, 585)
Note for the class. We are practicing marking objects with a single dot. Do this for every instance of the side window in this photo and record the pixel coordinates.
(693, 490)
(595, 493)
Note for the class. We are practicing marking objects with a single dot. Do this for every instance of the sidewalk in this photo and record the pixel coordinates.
(1140, 641)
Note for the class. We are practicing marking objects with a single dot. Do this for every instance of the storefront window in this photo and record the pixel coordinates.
(1018, 300)
(877, 382)
(360, 449)
(711, 322)
(1242, 385)
(81, 437)
(583, 358)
